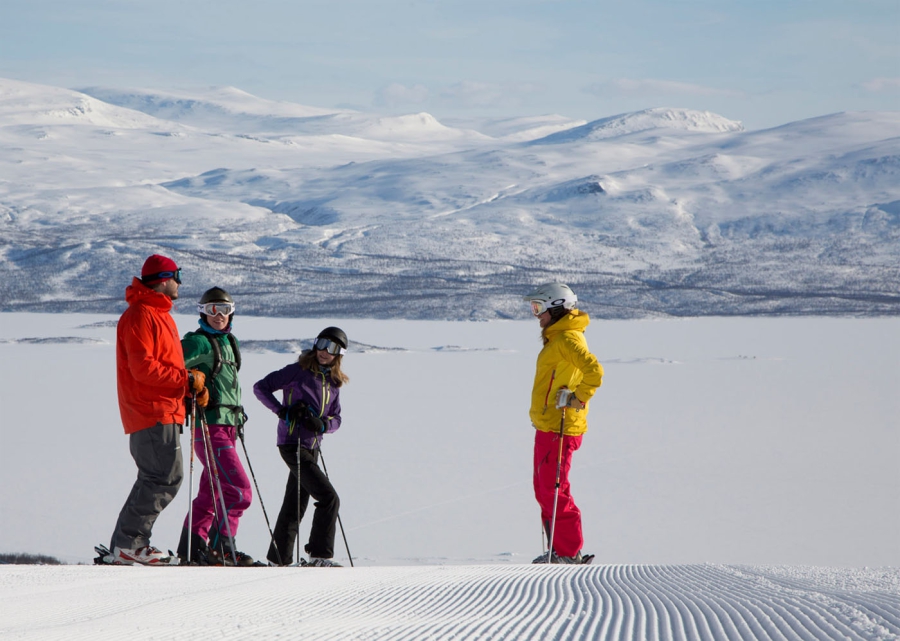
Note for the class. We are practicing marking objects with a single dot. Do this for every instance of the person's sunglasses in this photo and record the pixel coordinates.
(176, 276)
(216, 309)
(328, 345)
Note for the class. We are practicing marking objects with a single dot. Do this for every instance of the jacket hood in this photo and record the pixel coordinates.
(139, 293)
(576, 320)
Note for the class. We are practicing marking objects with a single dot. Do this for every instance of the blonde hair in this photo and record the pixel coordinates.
(308, 361)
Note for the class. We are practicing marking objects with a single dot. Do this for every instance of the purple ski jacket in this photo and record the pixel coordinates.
(298, 384)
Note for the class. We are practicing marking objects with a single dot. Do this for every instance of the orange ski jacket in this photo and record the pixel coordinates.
(150, 373)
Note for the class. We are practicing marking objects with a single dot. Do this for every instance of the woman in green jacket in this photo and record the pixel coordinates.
(215, 351)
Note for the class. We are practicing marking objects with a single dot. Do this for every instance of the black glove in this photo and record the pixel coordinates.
(314, 424)
(286, 411)
(295, 413)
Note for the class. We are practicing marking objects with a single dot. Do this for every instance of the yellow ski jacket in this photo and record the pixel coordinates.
(565, 361)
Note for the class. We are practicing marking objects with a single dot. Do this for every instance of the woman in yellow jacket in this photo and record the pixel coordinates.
(566, 378)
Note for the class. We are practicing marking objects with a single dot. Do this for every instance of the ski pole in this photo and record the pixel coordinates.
(325, 469)
(562, 423)
(240, 431)
(215, 468)
(209, 476)
(299, 491)
(290, 423)
(191, 480)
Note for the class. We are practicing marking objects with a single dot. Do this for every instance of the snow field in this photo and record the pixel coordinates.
(734, 441)
(687, 603)
(717, 449)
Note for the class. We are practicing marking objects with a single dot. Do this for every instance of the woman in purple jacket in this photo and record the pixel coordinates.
(309, 408)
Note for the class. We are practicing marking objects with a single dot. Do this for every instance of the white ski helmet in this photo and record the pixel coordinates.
(551, 295)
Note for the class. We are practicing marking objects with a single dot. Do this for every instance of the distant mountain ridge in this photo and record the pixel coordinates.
(686, 120)
(230, 109)
(180, 105)
(317, 212)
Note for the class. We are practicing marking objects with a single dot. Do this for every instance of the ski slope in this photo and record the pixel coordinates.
(680, 602)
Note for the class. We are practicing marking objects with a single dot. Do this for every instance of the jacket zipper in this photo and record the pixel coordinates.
(549, 389)
(326, 395)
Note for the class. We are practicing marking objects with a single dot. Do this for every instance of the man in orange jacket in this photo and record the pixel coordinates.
(152, 384)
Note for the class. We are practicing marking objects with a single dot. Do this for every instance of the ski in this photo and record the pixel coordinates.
(319, 563)
(215, 559)
(106, 557)
(586, 559)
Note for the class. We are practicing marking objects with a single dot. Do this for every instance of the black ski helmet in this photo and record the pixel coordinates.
(215, 295)
(336, 334)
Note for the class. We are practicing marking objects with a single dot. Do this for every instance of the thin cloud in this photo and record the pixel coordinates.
(633, 87)
(466, 94)
(879, 85)
(397, 95)
(482, 94)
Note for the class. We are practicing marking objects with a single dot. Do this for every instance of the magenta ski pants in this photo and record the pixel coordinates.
(235, 484)
(568, 538)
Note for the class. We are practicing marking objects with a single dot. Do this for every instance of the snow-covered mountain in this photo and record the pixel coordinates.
(644, 121)
(306, 211)
(230, 109)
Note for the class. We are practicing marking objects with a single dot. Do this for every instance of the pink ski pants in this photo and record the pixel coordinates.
(235, 484)
(568, 538)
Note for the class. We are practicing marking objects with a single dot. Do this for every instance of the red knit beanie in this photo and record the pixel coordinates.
(156, 265)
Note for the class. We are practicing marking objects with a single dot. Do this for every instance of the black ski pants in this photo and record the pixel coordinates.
(303, 464)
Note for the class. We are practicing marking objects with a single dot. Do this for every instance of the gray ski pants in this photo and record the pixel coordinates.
(157, 453)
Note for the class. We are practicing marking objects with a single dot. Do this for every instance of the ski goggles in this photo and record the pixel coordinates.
(538, 307)
(216, 309)
(328, 345)
(150, 278)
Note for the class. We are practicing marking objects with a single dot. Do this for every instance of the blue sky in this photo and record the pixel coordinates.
(762, 62)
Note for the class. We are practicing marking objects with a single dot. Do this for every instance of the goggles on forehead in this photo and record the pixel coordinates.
(328, 345)
(216, 309)
(176, 276)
